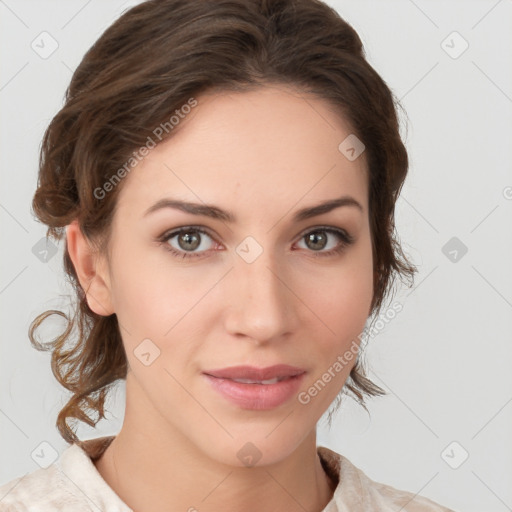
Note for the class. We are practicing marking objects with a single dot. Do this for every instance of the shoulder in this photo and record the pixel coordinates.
(70, 483)
(42, 487)
(355, 491)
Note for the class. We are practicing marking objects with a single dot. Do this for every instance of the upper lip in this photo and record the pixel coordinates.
(253, 373)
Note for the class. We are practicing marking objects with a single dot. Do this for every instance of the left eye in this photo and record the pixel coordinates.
(190, 241)
(319, 240)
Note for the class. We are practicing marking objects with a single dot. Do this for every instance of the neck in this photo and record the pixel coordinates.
(153, 470)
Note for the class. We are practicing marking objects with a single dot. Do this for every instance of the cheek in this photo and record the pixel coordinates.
(344, 306)
(153, 293)
(156, 299)
(343, 312)
(344, 293)
(140, 292)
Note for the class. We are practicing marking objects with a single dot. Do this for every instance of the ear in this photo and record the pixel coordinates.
(91, 270)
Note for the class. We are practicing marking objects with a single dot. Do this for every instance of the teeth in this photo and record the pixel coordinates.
(249, 381)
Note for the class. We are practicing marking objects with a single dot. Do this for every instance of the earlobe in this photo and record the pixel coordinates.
(91, 273)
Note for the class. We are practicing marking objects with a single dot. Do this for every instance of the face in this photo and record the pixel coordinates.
(267, 287)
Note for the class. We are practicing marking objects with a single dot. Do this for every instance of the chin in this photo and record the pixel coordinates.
(257, 447)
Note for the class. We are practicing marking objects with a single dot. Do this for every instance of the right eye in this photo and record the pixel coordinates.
(188, 239)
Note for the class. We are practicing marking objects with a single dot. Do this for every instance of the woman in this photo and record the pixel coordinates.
(224, 175)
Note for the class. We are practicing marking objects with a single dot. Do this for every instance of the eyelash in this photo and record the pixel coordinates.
(346, 240)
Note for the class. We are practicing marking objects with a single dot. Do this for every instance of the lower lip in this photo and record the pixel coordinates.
(257, 396)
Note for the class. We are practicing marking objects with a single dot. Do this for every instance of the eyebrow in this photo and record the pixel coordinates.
(217, 213)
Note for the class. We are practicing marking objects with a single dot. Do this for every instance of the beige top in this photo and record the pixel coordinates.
(73, 483)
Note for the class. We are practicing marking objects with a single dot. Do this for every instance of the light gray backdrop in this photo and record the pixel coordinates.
(444, 428)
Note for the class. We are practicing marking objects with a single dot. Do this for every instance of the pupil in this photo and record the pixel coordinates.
(189, 239)
(314, 237)
(192, 241)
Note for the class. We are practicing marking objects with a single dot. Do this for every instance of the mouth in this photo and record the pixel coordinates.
(253, 375)
(256, 388)
(263, 382)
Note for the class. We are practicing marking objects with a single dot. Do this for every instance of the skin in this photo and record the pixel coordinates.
(262, 155)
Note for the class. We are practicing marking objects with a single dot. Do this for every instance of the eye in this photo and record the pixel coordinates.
(317, 240)
(190, 240)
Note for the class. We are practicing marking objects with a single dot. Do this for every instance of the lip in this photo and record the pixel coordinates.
(254, 373)
(256, 396)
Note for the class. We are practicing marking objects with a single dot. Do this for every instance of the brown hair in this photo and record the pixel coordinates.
(146, 65)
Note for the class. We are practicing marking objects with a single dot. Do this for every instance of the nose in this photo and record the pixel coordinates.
(262, 302)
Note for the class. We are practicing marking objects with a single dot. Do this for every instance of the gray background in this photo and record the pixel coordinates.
(444, 359)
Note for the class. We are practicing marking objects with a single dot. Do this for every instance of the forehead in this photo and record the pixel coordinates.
(273, 143)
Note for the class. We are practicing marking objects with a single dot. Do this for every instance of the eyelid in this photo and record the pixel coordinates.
(346, 239)
(331, 229)
(171, 233)
(204, 229)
